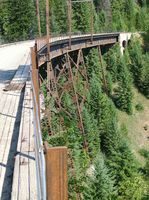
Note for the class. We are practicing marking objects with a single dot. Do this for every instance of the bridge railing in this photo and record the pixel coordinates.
(51, 163)
(39, 149)
(42, 41)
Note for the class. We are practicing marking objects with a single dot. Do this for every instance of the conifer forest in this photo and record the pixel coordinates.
(106, 158)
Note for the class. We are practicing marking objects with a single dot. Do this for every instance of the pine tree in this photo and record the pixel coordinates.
(93, 65)
(142, 18)
(123, 96)
(125, 170)
(105, 5)
(4, 18)
(130, 14)
(82, 17)
(21, 20)
(42, 9)
(92, 132)
(139, 66)
(119, 22)
(119, 69)
(59, 17)
(108, 125)
(146, 40)
(112, 59)
(144, 78)
(100, 184)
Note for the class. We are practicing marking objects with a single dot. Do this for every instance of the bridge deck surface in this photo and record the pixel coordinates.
(17, 162)
(24, 179)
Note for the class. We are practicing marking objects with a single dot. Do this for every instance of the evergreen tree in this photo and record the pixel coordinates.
(99, 184)
(119, 22)
(142, 18)
(42, 10)
(117, 170)
(92, 132)
(118, 155)
(112, 59)
(82, 17)
(93, 64)
(119, 69)
(123, 94)
(139, 66)
(130, 14)
(146, 40)
(125, 170)
(105, 5)
(21, 20)
(59, 16)
(4, 18)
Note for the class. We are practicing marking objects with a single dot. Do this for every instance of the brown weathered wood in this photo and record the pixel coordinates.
(35, 77)
(48, 28)
(56, 170)
(24, 176)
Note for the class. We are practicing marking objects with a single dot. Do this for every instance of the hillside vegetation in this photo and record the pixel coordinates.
(18, 17)
(109, 160)
(105, 163)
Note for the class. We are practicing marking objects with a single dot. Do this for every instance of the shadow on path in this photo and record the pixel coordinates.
(26, 155)
(6, 75)
(7, 185)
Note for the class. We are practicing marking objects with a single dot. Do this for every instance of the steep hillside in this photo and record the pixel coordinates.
(18, 20)
(108, 156)
(137, 125)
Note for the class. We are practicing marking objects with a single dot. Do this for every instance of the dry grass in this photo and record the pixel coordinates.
(138, 137)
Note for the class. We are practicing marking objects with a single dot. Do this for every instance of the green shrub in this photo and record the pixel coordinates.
(139, 107)
(144, 153)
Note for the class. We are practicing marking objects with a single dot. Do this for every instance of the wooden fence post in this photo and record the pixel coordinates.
(56, 170)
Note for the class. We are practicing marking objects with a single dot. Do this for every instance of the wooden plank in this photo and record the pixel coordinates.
(32, 167)
(25, 140)
(56, 169)
(7, 116)
(32, 177)
(24, 184)
(24, 180)
(24, 189)
(32, 139)
(21, 75)
(16, 176)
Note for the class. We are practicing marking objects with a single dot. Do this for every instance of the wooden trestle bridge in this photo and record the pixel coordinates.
(30, 169)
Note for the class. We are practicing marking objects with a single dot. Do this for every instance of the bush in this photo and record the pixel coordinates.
(139, 107)
(144, 153)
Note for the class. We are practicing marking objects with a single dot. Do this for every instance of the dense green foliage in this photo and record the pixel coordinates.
(100, 182)
(18, 20)
(100, 162)
(139, 66)
(107, 169)
(121, 89)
